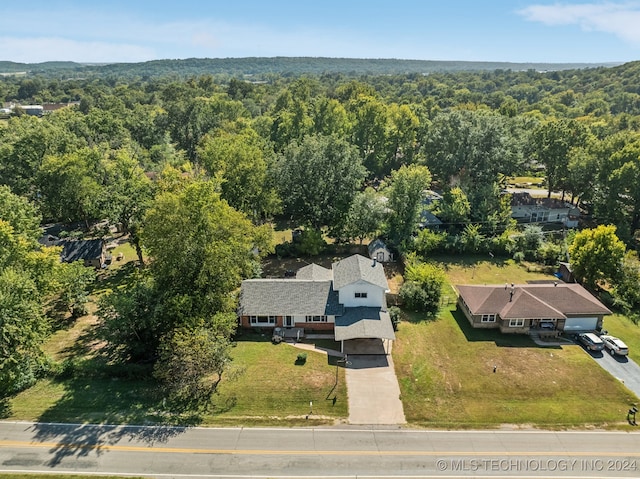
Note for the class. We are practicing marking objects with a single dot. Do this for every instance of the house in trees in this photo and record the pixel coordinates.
(528, 209)
(91, 252)
(525, 308)
(348, 301)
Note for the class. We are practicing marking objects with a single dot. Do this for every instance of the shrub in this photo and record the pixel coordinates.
(415, 298)
(395, 315)
(301, 358)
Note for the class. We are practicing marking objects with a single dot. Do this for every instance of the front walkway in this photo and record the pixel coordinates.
(374, 393)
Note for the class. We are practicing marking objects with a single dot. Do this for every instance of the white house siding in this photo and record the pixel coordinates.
(375, 295)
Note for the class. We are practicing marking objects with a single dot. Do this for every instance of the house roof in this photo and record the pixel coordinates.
(314, 272)
(364, 322)
(358, 268)
(74, 250)
(375, 245)
(531, 300)
(275, 297)
(525, 199)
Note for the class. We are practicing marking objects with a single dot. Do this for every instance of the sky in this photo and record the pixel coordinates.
(472, 30)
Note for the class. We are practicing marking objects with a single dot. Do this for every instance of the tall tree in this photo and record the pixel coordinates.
(240, 162)
(407, 189)
(596, 256)
(318, 179)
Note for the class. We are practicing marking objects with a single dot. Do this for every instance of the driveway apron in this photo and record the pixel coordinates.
(374, 393)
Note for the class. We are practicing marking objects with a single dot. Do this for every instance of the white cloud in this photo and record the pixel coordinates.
(620, 19)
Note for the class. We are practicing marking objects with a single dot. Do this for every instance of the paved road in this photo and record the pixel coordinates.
(198, 452)
(621, 367)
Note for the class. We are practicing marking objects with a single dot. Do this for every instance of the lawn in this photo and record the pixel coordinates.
(59, 476)
(265, 387)
(446, 369)
(622, 327)
(273, 390)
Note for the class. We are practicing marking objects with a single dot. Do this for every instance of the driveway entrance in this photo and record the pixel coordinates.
(374, 393)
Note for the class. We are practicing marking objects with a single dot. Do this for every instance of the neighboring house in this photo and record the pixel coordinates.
(379, 251)
(522, 308)
(429, 220)
(527, 209)
(91, 252)
(349, 300)
(565, 272)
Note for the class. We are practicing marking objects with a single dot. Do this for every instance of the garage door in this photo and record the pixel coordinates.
(580, 324)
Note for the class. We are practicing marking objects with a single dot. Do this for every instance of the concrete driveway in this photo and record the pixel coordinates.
(374, 393)
(620, 367)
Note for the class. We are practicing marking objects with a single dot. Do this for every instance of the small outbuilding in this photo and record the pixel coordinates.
(379, 251)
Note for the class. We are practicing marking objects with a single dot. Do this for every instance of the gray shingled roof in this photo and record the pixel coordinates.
(274, 297)
(531, 300)
(376, 244)
(356, 268)
(314, 272)
(75, 250)
(363, 322)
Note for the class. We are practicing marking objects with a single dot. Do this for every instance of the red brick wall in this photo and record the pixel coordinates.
(315, 326)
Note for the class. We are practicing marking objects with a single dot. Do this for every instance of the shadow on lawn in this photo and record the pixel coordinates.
(94, 407)
(494, 335)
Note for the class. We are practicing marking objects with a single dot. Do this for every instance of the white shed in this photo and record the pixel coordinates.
(379, 251)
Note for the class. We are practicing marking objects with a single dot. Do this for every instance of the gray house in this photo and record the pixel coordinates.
(528, 209)
(348, 300)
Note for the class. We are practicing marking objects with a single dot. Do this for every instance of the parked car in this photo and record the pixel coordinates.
(591, 341)
(615, 345)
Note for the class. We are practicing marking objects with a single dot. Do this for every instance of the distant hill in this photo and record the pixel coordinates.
(281, 65)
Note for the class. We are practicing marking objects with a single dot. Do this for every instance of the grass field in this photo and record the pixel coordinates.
(268, 389)
(60, 476)
(623, 328)
(445, 369)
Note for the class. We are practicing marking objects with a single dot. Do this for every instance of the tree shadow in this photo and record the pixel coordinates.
(111, 279)
(99, 409)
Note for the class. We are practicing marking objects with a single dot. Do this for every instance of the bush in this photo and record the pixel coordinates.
(395, 314)
(301, 358)
(415, 298)
(311, 243)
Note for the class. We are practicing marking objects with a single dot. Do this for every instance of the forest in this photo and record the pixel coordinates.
(191, 164)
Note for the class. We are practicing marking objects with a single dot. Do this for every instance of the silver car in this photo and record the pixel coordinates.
(615, 345)
(591, 341)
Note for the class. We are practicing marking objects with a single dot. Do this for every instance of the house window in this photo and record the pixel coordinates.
(361, 295)
(316, 319)
(262, 320)
(516, 323)
(488, 318)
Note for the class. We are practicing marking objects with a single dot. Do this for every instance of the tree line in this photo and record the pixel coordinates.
(195, 169)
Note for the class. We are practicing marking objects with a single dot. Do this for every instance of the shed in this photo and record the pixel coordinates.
(379, 251)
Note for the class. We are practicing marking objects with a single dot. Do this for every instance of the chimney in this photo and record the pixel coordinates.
(511, 293)
(375, 261)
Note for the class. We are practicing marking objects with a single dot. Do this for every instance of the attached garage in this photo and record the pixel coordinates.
(580, 324)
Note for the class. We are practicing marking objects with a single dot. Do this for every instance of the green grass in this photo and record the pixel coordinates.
(445, 368)
(622, 327)
(265, 388)
(273, 390)
(445, 371)
(529, 181)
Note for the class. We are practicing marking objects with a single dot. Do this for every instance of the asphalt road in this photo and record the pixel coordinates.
(337, 453)
(621, 367)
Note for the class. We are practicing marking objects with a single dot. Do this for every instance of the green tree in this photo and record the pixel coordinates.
(201, 249)
(627, 288)
(596, 256)
(454, 206)
(75, 279)
(406, 192)
(423, 287)
(318, 179)
(191, 363)
(551, 144)
(69, 185)
(366, 216)
(240, 162)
